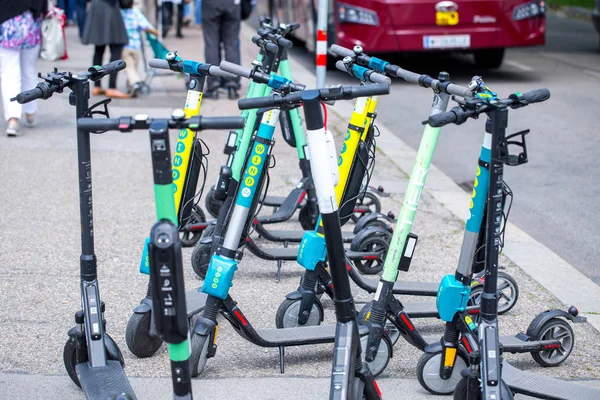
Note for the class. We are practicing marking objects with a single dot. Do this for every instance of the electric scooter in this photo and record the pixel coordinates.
(488, 376)
(91, 357)
(164, 247)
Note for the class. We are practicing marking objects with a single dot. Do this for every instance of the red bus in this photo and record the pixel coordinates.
(482, 27)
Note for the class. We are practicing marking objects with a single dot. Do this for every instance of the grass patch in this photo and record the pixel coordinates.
(589, 4)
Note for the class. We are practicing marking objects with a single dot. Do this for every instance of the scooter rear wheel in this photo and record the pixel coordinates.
(378, 240)
(368, 201)
(428, 373)
(463, 385)
(553, 329)
(137, 335)
(212, 205)
(201, 259)
(508, 293)
(287, 314)
(188, 239)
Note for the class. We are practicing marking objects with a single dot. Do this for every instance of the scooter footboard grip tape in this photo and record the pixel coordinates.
(158, 63)
(235, 69)
(341, 51)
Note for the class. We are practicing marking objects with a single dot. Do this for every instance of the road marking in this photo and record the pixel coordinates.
(518, 65)
(590, 72)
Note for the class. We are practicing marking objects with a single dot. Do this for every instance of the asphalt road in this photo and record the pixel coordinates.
(553, 194)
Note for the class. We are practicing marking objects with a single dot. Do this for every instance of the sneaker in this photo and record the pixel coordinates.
(232, 94)
(117, 94)
(97, 91)
(211, 94)
(30, 119)
(134, 90)
(12, 127)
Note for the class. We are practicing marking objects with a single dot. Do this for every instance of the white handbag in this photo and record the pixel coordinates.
(53, 41)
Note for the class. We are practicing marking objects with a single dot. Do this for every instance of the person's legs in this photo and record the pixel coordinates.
(211, 22)
(230, 34)
(97, 60)
(10, 83)
(167, 17)
(115, 53)
(70, 10)
(29, 79)
(80, 10)
(198, 11)
(131, 69)
(179, 20)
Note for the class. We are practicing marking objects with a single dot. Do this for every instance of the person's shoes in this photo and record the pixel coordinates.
(232, 93)
(134, 90)
(179, 35)
(211, 94)
(30, 119)
(116, 94)
(97, 91)
(12, 127)
(187, 21)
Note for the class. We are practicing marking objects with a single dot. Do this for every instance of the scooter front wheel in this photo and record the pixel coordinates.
(463, 387)
(382, 358)
(189, 238)
(287, 314)
(199, 353)
(212, 205)
(428, 373)
(138, 338)
(201, 259)
(508, 293)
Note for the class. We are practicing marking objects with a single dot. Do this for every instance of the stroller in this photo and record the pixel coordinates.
(159, 51)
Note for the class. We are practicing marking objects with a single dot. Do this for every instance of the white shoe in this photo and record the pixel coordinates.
(12, 128)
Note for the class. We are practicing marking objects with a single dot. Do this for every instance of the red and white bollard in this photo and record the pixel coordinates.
(321, 47)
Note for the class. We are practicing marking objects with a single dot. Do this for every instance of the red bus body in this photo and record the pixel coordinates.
(415, 25)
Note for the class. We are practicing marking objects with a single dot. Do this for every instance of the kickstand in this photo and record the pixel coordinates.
(278, 277)
(282, 359)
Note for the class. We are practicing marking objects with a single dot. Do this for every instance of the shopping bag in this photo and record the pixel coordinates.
(53, 39)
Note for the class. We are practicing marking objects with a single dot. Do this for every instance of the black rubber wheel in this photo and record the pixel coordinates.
(307, 219)
(553, 329)
(201, 258)
(508, 293)
(188, 239)
(199, 350)
(382, 358)
(69, 356)
(287, 314)
(370, 201)
(211, 204)
(69, 352)
(137, 336)
(461, 391)
(373, 243)
(489, 58)
(428, 373)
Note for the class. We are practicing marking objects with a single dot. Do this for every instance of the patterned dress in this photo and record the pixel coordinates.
(21, 32)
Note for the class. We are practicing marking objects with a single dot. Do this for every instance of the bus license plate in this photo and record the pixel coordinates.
(447, 41)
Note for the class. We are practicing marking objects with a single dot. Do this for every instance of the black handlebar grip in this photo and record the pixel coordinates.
(158, 63)
(536, 96)
(98, 124)
(285, 42)
(235, 69)
(341, 51)
(258, 102)
(28, 95)
(221, 123)
(114, 66)
(444, 118)
(369, 90)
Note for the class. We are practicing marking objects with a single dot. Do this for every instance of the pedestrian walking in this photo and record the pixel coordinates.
(20, 39)
(221, 24)
(135, 23)
(104, 27)
(80, 12)
(168, 8)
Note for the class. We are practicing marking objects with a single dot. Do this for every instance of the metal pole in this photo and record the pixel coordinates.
(321, 47)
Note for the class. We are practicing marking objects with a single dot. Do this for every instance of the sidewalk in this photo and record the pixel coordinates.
(39, 248)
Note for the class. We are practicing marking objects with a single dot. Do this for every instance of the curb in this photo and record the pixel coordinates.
(534, 258)
(581, 13)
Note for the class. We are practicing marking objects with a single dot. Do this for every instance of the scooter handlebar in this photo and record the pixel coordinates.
(235, 69)
(369, 90)
(534, 96)
(366, 74)
(341, 51)
(455, 115)
(213, 70)
(159, 64)
(29, 95)
(111, 67)
(268, 46)
(98, 124)
(221, 123)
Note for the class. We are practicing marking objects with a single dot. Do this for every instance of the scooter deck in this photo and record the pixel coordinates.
(273, 201)
(413, 288)
(277, 235)
(290, 253)
(303, 335)
(195, 300)
(544, 387)
(286, 209)
(421, 309)
(100, 383)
